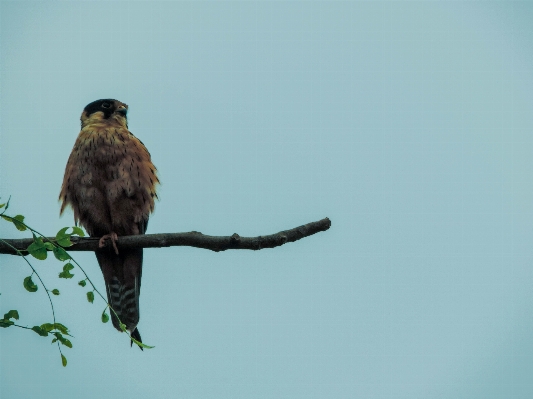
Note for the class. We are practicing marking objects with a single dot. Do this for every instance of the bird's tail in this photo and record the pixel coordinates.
(122, 275)
(135, 334)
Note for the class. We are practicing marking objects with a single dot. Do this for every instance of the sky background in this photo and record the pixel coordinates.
(409, 125)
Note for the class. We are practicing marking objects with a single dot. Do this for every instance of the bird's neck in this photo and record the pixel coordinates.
(113, 121)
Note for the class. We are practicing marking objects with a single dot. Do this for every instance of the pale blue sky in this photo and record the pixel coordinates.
(407, 124)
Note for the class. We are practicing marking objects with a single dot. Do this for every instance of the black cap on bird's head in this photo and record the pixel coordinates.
(104, 109)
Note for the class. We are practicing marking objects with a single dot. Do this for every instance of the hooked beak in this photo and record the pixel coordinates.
(122, 110)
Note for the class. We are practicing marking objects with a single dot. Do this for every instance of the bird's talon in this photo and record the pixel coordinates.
(111, 236)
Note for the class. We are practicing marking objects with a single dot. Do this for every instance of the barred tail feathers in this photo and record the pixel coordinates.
(122, 275)
(125, 302)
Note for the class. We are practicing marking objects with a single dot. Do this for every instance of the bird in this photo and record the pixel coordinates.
(110, 182)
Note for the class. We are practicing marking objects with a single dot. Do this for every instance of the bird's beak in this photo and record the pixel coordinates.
(123, 110)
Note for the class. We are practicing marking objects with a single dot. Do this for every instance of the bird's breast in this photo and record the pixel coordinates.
(104, 147)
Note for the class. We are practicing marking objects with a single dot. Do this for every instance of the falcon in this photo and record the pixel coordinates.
(110, 183)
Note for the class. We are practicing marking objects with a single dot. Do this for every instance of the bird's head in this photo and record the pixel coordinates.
(109, 110)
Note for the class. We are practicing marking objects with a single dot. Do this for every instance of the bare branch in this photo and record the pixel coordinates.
(191, 239)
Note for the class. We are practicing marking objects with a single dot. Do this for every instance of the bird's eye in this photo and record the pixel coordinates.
(106, 105)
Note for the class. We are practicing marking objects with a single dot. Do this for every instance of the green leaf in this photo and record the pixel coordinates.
(141, 344)
(49, 246)
(65, 275)
(60, 254)
(62, 328)
(63, 360)
(69, 266)
(18, 222)
(77, 231)
(55, 291)
(7, 203)
(105, 317)
(29, 284)
(40, 331)
(12, 314)
(47, 327)
(65, 242)
(37, 248)
(66, 271)
(6, 323)
(63, 238)
(63, 340)
(2, 205)
(90, 296)
(62, 233)
(83, 283)
(66, 342)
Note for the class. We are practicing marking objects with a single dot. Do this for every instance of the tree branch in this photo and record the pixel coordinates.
(191, 239)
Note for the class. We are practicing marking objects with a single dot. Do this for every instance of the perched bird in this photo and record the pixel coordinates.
(110, 183)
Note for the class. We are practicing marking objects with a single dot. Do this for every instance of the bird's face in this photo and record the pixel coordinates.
(107, 110)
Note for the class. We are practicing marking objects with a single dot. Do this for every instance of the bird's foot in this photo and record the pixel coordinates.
(111, 236)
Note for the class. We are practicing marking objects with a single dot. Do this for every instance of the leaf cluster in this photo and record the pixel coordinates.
(39, 249)
(6, 322)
